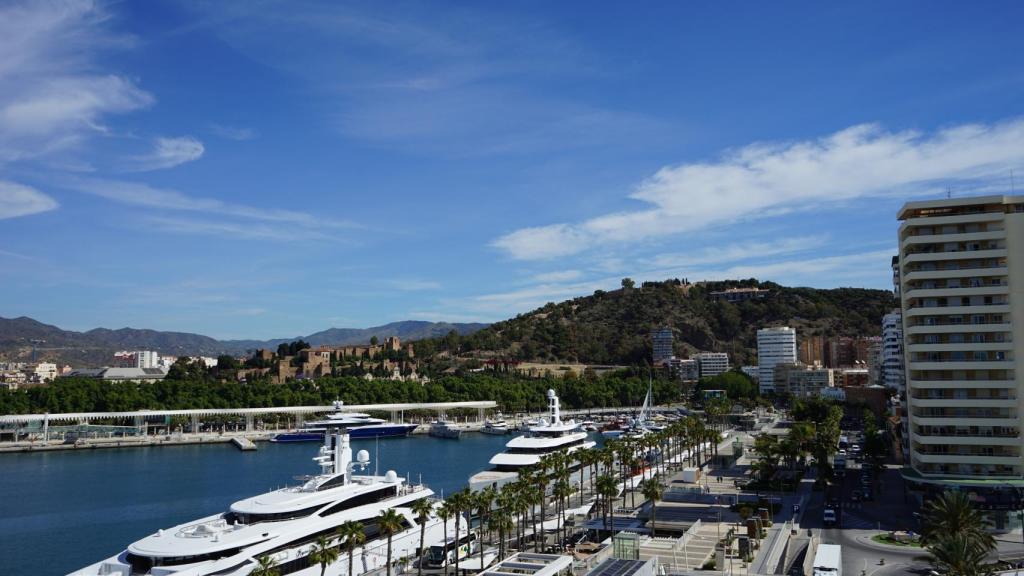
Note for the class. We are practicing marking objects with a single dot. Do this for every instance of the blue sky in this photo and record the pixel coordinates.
(264, 169)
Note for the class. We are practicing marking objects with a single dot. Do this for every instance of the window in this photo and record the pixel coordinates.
(362, 499)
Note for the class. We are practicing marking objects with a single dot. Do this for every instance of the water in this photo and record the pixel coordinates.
(60, 511)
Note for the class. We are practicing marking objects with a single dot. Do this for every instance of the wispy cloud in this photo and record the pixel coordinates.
(138, 194)
(234, 230)
(557, 276)
(167, 153)
(767, 179)
(233, 132)
(749, 250)
(20, 200)
(51, 98)
(413, 284)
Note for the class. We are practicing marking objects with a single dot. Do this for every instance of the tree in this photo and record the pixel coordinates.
(444, 512)
(608, 489)
(460, 502)
(323, 553)
(653, 492)
(390, 523)
(265, 566)
(628, 283)
(958, 555)
(422, 509)
(951, 514)
(374, 341)
(354, 535)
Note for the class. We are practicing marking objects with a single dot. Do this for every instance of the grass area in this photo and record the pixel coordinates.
(889, 540)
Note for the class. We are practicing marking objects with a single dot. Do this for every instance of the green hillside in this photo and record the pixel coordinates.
(613, 327)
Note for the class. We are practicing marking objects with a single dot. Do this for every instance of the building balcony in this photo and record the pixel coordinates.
(963, 402)
(915, 347)
(982, 270)
(967, 440)
(963, 421)
(963, 365)
(953, 383)
(1000, 308)
(954, 237)
(933, 221)
(912, 257)
(957, 291)
(964, 459)
(951, 327)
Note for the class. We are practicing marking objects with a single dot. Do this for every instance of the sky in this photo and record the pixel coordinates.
(270, 169)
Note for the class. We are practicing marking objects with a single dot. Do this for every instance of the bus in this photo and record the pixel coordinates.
(437, 553)
(828, 561)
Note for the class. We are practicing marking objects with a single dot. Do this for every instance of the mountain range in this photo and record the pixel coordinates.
(95, 347)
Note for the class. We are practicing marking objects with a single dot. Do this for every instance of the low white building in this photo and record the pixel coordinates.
(712, 363)
(44, 372)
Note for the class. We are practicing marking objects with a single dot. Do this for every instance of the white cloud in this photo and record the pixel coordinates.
(762, 180)
(167, 153)
(233, 132)
(139, 194)
(51, 98)
(231, 229)
(557, 276)
(413, 284)
(20, 200)
(735, 252)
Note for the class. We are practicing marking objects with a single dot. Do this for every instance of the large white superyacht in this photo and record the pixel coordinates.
(549, 435)
(284, 524)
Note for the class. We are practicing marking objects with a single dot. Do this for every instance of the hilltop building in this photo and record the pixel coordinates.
(774, 346)
(735, 295)
(961, 280)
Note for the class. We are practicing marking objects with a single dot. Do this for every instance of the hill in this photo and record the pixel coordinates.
(95, 347)
(613, 327)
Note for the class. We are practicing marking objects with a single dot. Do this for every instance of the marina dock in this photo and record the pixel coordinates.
(243, 444)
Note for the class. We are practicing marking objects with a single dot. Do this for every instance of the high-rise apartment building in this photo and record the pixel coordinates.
(892, 351)
(712, 363)
(961, 267)
(774, 346)
(661, 342)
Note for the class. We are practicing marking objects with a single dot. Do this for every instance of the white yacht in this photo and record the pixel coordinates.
(284, 524)
(498, 426)
(549, 435)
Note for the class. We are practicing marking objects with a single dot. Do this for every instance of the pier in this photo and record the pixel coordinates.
(30, 432)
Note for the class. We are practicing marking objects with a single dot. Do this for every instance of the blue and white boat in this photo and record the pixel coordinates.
(359, 425)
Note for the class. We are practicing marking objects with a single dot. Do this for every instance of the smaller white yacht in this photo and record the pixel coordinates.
(498, 426)
(442, 428)
(547, 436)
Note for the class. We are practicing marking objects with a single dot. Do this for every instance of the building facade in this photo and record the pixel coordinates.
(711, 363)
(961, 269)
(774, 346)
(686, 370)
(802, 381)
(661, 343)
(892, 351)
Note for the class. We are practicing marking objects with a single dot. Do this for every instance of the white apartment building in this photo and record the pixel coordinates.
(774, 346)
(802, 381)
(711, 363)
(961, 267)
(685, 370)
(44, 372)
(892, 351)
(146, 359)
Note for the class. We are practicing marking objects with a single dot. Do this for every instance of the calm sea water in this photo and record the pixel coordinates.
(60, 511)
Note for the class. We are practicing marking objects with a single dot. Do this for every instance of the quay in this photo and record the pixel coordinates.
(70, 431)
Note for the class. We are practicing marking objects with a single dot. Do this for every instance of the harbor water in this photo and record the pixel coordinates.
(60, 511)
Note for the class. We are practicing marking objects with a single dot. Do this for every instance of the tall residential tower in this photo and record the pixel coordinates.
(961, 288)
(774, 346)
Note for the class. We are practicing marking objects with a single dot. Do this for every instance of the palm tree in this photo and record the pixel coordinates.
(354, 534)
(460, 502)
(608, 489)
(422, 509)
(652, 492)
(500, 521)
(562, 491)
(952, 515)
(390, 522)
(265, 566)
(444, 512)
(323, 553)
(958, 555)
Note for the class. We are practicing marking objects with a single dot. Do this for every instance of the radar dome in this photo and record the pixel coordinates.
(362, 457)
(391, 477)
(551, 393)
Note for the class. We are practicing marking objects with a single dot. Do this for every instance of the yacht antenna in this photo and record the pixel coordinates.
(376, 457)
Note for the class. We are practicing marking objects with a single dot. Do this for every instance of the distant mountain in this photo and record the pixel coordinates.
(95, 347)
